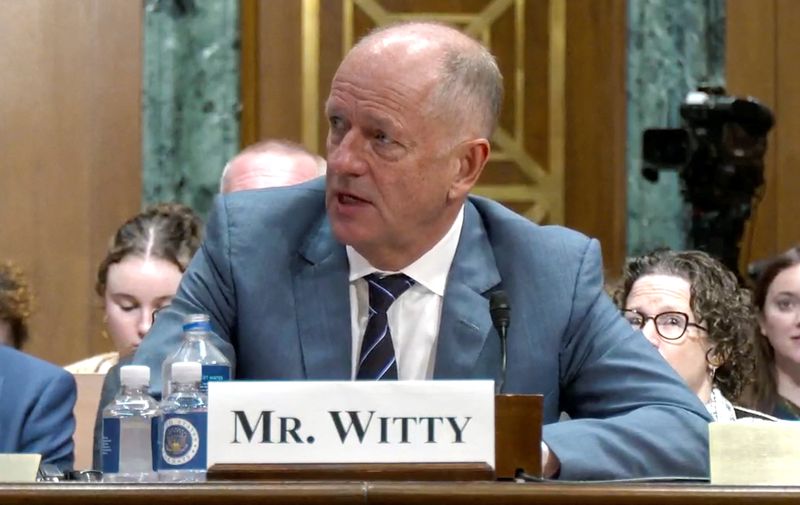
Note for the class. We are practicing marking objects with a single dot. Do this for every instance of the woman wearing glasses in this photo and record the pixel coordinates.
(691, 308)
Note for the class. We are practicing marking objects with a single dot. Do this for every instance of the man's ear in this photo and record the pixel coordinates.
(471, 156)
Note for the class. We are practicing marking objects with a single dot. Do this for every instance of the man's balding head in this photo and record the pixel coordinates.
(269, 164)
(469, 89)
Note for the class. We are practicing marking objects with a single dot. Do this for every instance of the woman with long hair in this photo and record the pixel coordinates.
(776, 295)
(139, 276)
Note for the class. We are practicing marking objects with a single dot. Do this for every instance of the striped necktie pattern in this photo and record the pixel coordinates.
(377, 360)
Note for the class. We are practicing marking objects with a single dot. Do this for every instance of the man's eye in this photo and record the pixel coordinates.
(336, 123)
(382, 138)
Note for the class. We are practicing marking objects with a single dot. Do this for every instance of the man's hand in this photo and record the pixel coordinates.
(550, 463)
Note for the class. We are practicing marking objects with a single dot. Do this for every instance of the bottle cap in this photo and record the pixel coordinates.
(135, 376)
(184, 372)
(196, 322)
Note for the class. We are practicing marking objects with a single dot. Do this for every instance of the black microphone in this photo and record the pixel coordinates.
(500, 311)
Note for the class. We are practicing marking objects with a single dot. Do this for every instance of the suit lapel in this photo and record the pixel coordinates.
(465, 321)
(321, 289)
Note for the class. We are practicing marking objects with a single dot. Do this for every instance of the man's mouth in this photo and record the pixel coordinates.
(350, 199)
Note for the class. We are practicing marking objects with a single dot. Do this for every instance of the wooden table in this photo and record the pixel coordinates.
(388, 493)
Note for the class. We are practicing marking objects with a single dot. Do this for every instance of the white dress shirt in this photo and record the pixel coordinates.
(414, 317)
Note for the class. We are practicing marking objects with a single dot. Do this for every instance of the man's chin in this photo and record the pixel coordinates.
(343, 232)
(348, 233)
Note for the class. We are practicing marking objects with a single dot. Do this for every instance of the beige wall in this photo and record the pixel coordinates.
(70, 167)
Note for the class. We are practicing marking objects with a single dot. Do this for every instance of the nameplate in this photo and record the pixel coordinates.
(755, 453)
(351, 422)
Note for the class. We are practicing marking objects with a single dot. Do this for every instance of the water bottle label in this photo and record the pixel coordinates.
(183, 444)
(214, 373)
(155, 441)
(109, 448)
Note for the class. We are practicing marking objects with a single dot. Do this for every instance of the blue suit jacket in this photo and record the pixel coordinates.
(274, 280)
(36, 403)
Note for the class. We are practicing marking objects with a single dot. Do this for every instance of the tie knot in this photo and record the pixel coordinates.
(383, 291)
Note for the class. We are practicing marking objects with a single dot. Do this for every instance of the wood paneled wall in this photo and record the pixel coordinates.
(593, 193)
(762, 43)
(70, 168)
(595, 197)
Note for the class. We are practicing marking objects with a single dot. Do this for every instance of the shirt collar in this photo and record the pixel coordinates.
(430, 270)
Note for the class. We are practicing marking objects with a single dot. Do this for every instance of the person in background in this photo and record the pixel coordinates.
(692, 309)
(776, 295)
(36, 397)
(139, 276)
(266, 164)
(411, 112)
(270, 163)
(16, 303)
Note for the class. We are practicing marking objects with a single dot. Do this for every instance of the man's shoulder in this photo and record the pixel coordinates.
(506, 227)
(26, 370)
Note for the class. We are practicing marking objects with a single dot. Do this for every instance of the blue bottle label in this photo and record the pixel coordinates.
(183, 444)
(109, 448)
(214, 373)
(155, 442)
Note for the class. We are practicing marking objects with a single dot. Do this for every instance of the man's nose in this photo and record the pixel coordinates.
(347, 156)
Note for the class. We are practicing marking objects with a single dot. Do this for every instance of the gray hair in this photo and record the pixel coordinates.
(470, 81)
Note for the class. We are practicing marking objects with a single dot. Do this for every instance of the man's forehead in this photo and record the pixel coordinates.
(392, 93)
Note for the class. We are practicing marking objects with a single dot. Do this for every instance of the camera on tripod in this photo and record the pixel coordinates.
(719, 156)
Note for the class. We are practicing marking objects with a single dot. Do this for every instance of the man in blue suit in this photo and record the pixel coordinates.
(290, 276)
(36, 403)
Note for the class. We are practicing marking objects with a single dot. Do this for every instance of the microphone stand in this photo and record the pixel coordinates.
(518, 418)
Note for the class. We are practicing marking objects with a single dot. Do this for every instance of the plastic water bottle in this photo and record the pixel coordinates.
(183, 427)
(196, 347)
(130, 430)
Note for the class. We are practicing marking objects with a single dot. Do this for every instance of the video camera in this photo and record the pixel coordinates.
(719, 156)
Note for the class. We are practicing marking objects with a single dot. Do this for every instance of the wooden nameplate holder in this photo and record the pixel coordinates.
(518, 435)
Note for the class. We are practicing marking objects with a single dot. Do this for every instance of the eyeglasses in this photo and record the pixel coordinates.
(669, 325)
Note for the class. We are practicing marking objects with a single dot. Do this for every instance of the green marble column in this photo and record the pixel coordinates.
(190, 98)
(673, 45)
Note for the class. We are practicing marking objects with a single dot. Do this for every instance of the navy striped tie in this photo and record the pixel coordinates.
(377, 360)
